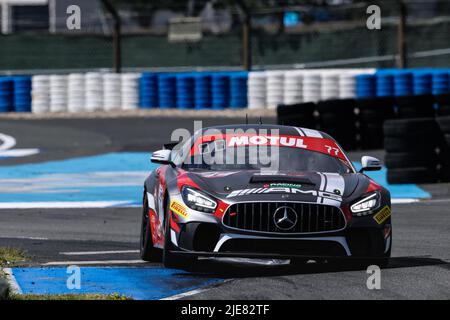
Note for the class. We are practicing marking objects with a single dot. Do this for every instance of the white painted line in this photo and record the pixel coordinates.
(66, 204)
(86, 253)
(7, 142)
(94, 262)
(404, 200)
(25, 238)
(13, 285)
(193, 292)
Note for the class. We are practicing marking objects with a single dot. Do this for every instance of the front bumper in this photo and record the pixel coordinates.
(359, 239)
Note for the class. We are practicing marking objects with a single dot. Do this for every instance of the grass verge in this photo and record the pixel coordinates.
(10, 257)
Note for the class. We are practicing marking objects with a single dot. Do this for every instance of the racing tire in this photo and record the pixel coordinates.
(371, 136)
(172, 260)
(403, 127)
(147, 251)
(297, 115)
(400, 160)
(412, 175)
(443, 102)
(411, 144)
(444, 124)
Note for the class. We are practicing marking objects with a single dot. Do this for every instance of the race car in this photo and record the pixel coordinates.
(263, 191)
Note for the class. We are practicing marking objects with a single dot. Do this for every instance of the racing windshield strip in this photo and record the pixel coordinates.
(325, 146)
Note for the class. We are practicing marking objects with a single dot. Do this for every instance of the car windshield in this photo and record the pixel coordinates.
(214, 156)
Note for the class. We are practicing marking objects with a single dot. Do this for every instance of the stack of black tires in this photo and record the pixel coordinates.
(298, 115)
(338, 119)
(372, 113)
(413, 150)
(443, 119)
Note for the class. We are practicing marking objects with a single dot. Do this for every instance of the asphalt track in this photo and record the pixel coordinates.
(420, 267)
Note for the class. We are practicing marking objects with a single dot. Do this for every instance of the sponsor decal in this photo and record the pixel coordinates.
(285, 185)
(179, 209)
(313, 193)
(382, 215)
(318, 144)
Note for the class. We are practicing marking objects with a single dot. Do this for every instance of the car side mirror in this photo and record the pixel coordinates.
(162, 157)
(370, 164)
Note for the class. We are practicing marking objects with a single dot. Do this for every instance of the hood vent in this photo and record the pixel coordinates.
(280, 179)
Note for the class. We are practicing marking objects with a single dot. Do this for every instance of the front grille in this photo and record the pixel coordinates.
(259, 217)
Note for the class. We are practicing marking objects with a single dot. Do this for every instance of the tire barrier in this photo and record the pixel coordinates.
(112, 99)
(338, 118)
(384, 84)
(76, 92)
(329, 86)
(311, 87)
(202, 91)
(130, 91)
(293, 88)
(218, 90)
(167, 91)
(148, 88)
(94, 91)
(298, 115)
(40, 93)
(347, 86)
(58, 93)
(372, 113)
(415, 106)
(22, 94)
(6, 95)
(366, 86)
(413, 150)
(443, 104)
(444, 125)
(403, 83)
(275, 84)
(257, 93)
(238, 90)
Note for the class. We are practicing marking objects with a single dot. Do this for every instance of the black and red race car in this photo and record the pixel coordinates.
(263, 191)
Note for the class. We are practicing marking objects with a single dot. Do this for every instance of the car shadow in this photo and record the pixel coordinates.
(213, 268)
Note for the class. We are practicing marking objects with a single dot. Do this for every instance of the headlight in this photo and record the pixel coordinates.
(364, 206)
(197, 200)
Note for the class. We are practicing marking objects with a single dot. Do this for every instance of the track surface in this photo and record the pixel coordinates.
(420, 268)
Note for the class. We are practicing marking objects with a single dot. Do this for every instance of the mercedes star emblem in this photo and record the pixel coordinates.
(285, 218)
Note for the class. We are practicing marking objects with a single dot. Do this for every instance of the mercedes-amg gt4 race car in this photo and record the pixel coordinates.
(263, 191)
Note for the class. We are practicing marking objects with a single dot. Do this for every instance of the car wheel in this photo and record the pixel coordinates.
(147, 250)
(170, 259)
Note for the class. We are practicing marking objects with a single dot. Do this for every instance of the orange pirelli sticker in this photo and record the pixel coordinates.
(382, 215)
(179, 209)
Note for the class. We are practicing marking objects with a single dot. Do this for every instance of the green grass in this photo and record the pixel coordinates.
(10, 257)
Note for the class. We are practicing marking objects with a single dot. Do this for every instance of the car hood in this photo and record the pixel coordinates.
(234, 186)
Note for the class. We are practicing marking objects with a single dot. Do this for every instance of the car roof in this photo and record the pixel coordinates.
(283, 130)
